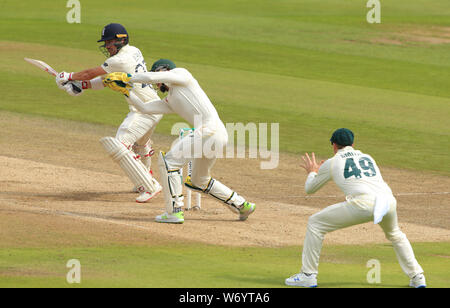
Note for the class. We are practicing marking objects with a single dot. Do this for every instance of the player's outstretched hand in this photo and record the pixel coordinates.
(310, 164)
(118, 82)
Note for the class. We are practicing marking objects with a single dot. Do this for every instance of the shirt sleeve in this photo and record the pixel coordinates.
(152, 107)
(175, 76)
(113, 64)
(315, 181)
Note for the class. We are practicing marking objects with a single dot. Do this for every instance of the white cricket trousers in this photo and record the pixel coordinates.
(135, 133)
(202, 147)
(137, 128)
(356, 211)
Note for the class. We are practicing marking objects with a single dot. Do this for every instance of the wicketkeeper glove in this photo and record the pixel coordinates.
(118, 82)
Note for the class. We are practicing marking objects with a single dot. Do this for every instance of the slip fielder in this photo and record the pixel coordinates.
(131, 147)
(186, 98)
(368, 198)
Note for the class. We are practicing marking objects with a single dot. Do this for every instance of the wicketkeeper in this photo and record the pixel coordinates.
(368, 198)
(186, 98)
(131, 147)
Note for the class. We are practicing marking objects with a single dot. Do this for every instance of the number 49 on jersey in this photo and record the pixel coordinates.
(365, 163)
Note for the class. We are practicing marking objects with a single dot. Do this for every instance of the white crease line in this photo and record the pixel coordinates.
(340, 196)
(424, 193)
(87, 217)
(83, 216)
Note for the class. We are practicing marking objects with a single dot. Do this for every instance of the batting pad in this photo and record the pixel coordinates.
(225, 194)
(132, 167)
(171, 180)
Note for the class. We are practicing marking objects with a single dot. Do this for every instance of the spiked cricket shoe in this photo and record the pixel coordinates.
(302, 280)
(174, 218)
(418, 282)
(246, 209)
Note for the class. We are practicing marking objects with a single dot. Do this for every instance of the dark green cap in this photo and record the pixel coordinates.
(163, 63)
(342, 136)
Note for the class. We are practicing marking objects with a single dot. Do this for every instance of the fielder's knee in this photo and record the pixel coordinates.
(202, 185)
(314, 226)
(313, 220)
(201, 182)
(395, 236)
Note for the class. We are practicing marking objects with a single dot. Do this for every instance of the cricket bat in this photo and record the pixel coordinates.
(45, 67)
(42, 65)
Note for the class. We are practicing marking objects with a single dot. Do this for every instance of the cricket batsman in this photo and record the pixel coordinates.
(131, 147)
(368, 198)
(186, 98)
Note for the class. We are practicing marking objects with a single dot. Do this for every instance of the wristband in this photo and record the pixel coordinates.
(97, 83)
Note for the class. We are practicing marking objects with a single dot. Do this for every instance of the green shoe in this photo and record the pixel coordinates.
(174, 218)
(246, 209)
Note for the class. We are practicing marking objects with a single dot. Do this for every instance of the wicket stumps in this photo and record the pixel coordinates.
(189, 204)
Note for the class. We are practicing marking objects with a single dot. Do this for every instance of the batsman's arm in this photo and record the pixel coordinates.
(94, 84)
(89, 73)
(152, 107)
(176, 76)
(89, 79)
(316, 180)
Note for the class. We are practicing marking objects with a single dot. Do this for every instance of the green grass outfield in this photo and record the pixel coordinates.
(207, 266)
(312, 66)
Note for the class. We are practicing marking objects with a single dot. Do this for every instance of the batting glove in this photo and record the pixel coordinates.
(62, 78)
(73, 88)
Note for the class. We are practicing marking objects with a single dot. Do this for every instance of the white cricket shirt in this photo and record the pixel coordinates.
(130, 60)
(185, 97)
(354, 172)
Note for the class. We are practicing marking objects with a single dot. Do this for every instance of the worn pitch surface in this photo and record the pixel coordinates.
(55, 178)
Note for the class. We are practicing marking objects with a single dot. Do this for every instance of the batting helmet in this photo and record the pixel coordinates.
(113, 31)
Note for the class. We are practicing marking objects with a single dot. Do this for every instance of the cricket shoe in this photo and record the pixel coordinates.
(246, 209)
(302, 280)
(418, 282)
(174, 218)
(147, 196)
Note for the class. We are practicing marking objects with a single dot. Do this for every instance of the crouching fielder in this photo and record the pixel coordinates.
(187, 99)
(368, 198)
